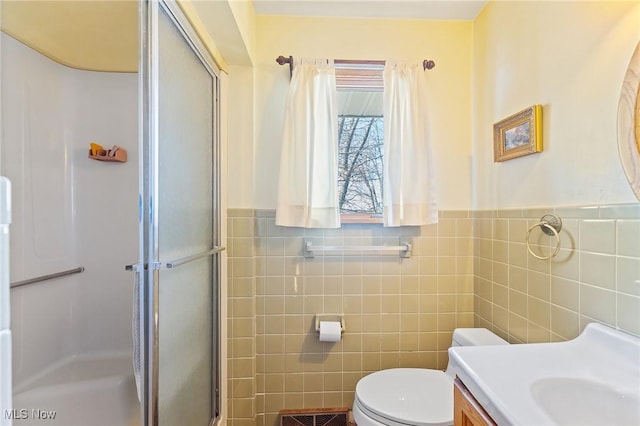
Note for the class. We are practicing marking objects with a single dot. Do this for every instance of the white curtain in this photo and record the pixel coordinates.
(308, 186)
(409, 187)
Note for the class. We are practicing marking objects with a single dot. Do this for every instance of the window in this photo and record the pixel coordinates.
(360, 143)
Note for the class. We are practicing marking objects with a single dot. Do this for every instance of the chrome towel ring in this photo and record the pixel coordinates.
(551, 225)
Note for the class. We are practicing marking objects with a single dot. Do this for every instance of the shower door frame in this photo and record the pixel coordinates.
(149, 266)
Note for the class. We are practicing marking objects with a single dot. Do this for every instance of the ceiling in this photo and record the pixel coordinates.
(103, 35)
(411, 9)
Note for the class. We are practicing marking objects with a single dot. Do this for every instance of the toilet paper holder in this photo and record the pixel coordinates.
(330, 317)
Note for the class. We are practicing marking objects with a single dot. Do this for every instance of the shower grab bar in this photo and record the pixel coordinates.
(309, 249)
(177, 262)
(47, 277)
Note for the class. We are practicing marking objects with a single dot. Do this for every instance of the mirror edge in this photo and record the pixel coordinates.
(629, 123)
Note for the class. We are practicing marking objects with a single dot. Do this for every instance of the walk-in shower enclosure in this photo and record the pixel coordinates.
(158, 212)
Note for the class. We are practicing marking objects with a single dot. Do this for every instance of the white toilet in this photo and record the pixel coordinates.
(414, 396)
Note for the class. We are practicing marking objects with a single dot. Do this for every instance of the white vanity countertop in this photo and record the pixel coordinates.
(592, 379)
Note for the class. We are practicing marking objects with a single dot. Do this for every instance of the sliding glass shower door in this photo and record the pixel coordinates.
(179, 242)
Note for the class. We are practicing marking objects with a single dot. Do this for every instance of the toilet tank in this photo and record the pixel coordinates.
(476, 337)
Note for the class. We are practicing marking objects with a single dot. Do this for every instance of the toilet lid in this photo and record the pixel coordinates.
(407, 396)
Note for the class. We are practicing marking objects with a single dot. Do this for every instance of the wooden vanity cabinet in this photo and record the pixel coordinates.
(466, 410)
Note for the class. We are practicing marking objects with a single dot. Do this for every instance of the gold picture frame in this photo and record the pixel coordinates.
(518, 135)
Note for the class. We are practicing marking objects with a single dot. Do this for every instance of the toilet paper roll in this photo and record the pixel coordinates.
(330, 331)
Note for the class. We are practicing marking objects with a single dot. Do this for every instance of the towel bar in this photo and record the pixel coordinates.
(309, 249)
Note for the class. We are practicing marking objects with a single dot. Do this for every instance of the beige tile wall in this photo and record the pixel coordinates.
(594, 277)
(470, 268)
(398, 312)
(241, 362)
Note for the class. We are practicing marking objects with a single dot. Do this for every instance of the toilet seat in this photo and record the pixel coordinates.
(405, 396)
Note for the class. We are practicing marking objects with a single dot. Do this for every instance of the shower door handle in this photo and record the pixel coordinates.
(175, 263)
(183, 260)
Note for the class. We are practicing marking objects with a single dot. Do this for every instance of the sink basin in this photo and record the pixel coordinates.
(593, 379)
(584, 402)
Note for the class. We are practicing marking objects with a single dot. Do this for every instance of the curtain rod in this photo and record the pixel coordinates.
(427, 64)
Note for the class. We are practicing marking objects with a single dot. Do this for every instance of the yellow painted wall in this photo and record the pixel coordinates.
(103, 35)
(448, 43)
(199, 20)
(245, 17)
(90, 35)
(571, 58)
(241, 163)
(231, 23)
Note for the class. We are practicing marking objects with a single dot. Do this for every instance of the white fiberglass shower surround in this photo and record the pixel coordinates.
(158, 214)
(63, 218)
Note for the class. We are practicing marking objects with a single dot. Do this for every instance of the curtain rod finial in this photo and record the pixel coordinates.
(428, 64)
(282, 60)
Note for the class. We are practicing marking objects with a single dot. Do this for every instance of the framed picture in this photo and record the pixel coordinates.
(518, 135)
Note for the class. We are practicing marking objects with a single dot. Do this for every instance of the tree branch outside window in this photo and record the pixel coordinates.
(360, 148)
